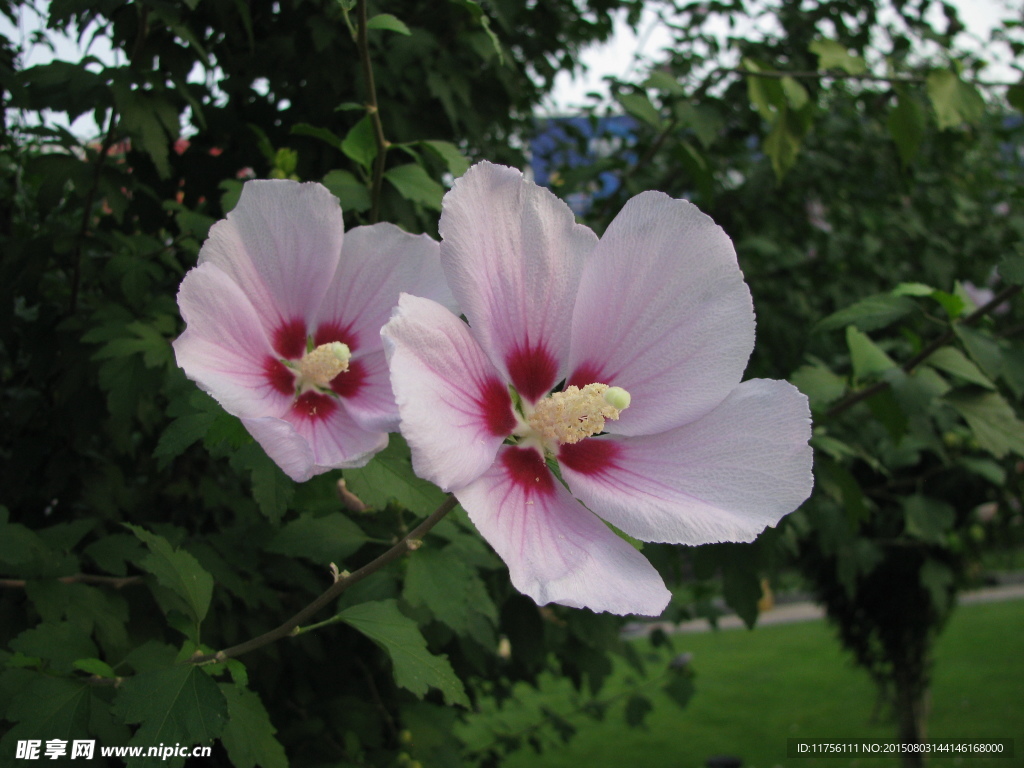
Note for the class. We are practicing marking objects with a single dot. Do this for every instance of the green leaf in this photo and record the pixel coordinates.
(457, 162)
(993, 422)
(637, 709)
(329, 538)
(938, 580)
(639, 105)
(359, 144)
(61, 643)
(45, 708)
(415, 668)
(833, 55)
(172, 705)
(907, 126)
(1011, 269)
(952, 360)
(982, 348)
(180, 434)
(95, 667)
(352, 193)
(388, 22)
(867, 358)
(796, 94)
(953, 304)
(272, 489)
(1015, 95)
(822, 386)
(151, 121)
(414, 184)
(765, 93)
(928, 519)
(177, 570)
(249, 735)
(955, 102)
(389, 477)
(912, 289)
(871, 313)
(441, 581)
(325, 135)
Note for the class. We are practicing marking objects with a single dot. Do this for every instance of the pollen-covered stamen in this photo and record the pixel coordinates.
(319, 366)
(571, 415)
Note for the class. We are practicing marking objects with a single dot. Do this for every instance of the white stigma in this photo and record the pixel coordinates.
(319, 366)
(573, 414)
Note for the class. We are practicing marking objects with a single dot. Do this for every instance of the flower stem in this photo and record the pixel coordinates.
(373, 111)
(291, 627)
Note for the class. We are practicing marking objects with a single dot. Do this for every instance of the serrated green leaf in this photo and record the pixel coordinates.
(952, 360)
(325, 135)
(953, 304)
(325, 539)
(389, 477)
(833, 55)
(993, 422)
(172, 705)
(180, 435)
(982, 349)
(639, 105)
(388, 22)
(95, 667)
(45, 708)
(351, 193)
(927, 519)
(796, 94)
(443, 583)
(415, 668)
(359, 144)
(637, 709)
(249, 735)
(867, 358)
(60, 642)
(457, 162)
(912, 289)
(414, 184)
(178, 571)
(272, 489)
(954, 101)
(870, 314)
(938, 580)
(907, 125)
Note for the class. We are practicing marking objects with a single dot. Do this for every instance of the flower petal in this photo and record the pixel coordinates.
(663, 312)
(455, 407)
(377, 264)
(304, 447)
(372, 403)
(281, 244)
(224, 348)
(512, 253)
(725, 477)
(557, 551)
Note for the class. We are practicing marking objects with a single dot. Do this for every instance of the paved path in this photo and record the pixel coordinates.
(794, 612)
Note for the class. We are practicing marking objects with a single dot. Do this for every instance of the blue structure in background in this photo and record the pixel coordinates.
(563, 143)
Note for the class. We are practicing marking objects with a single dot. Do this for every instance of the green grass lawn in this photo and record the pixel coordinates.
(757, 689)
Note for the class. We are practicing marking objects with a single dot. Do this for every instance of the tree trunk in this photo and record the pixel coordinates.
(911, 712)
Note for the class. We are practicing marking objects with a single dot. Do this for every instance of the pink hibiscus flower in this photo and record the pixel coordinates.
(284, 323)
(645, 333)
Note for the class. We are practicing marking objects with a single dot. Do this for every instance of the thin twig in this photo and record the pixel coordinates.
(407, 543)
(117, 582)
(855, 397)
(374, 112)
